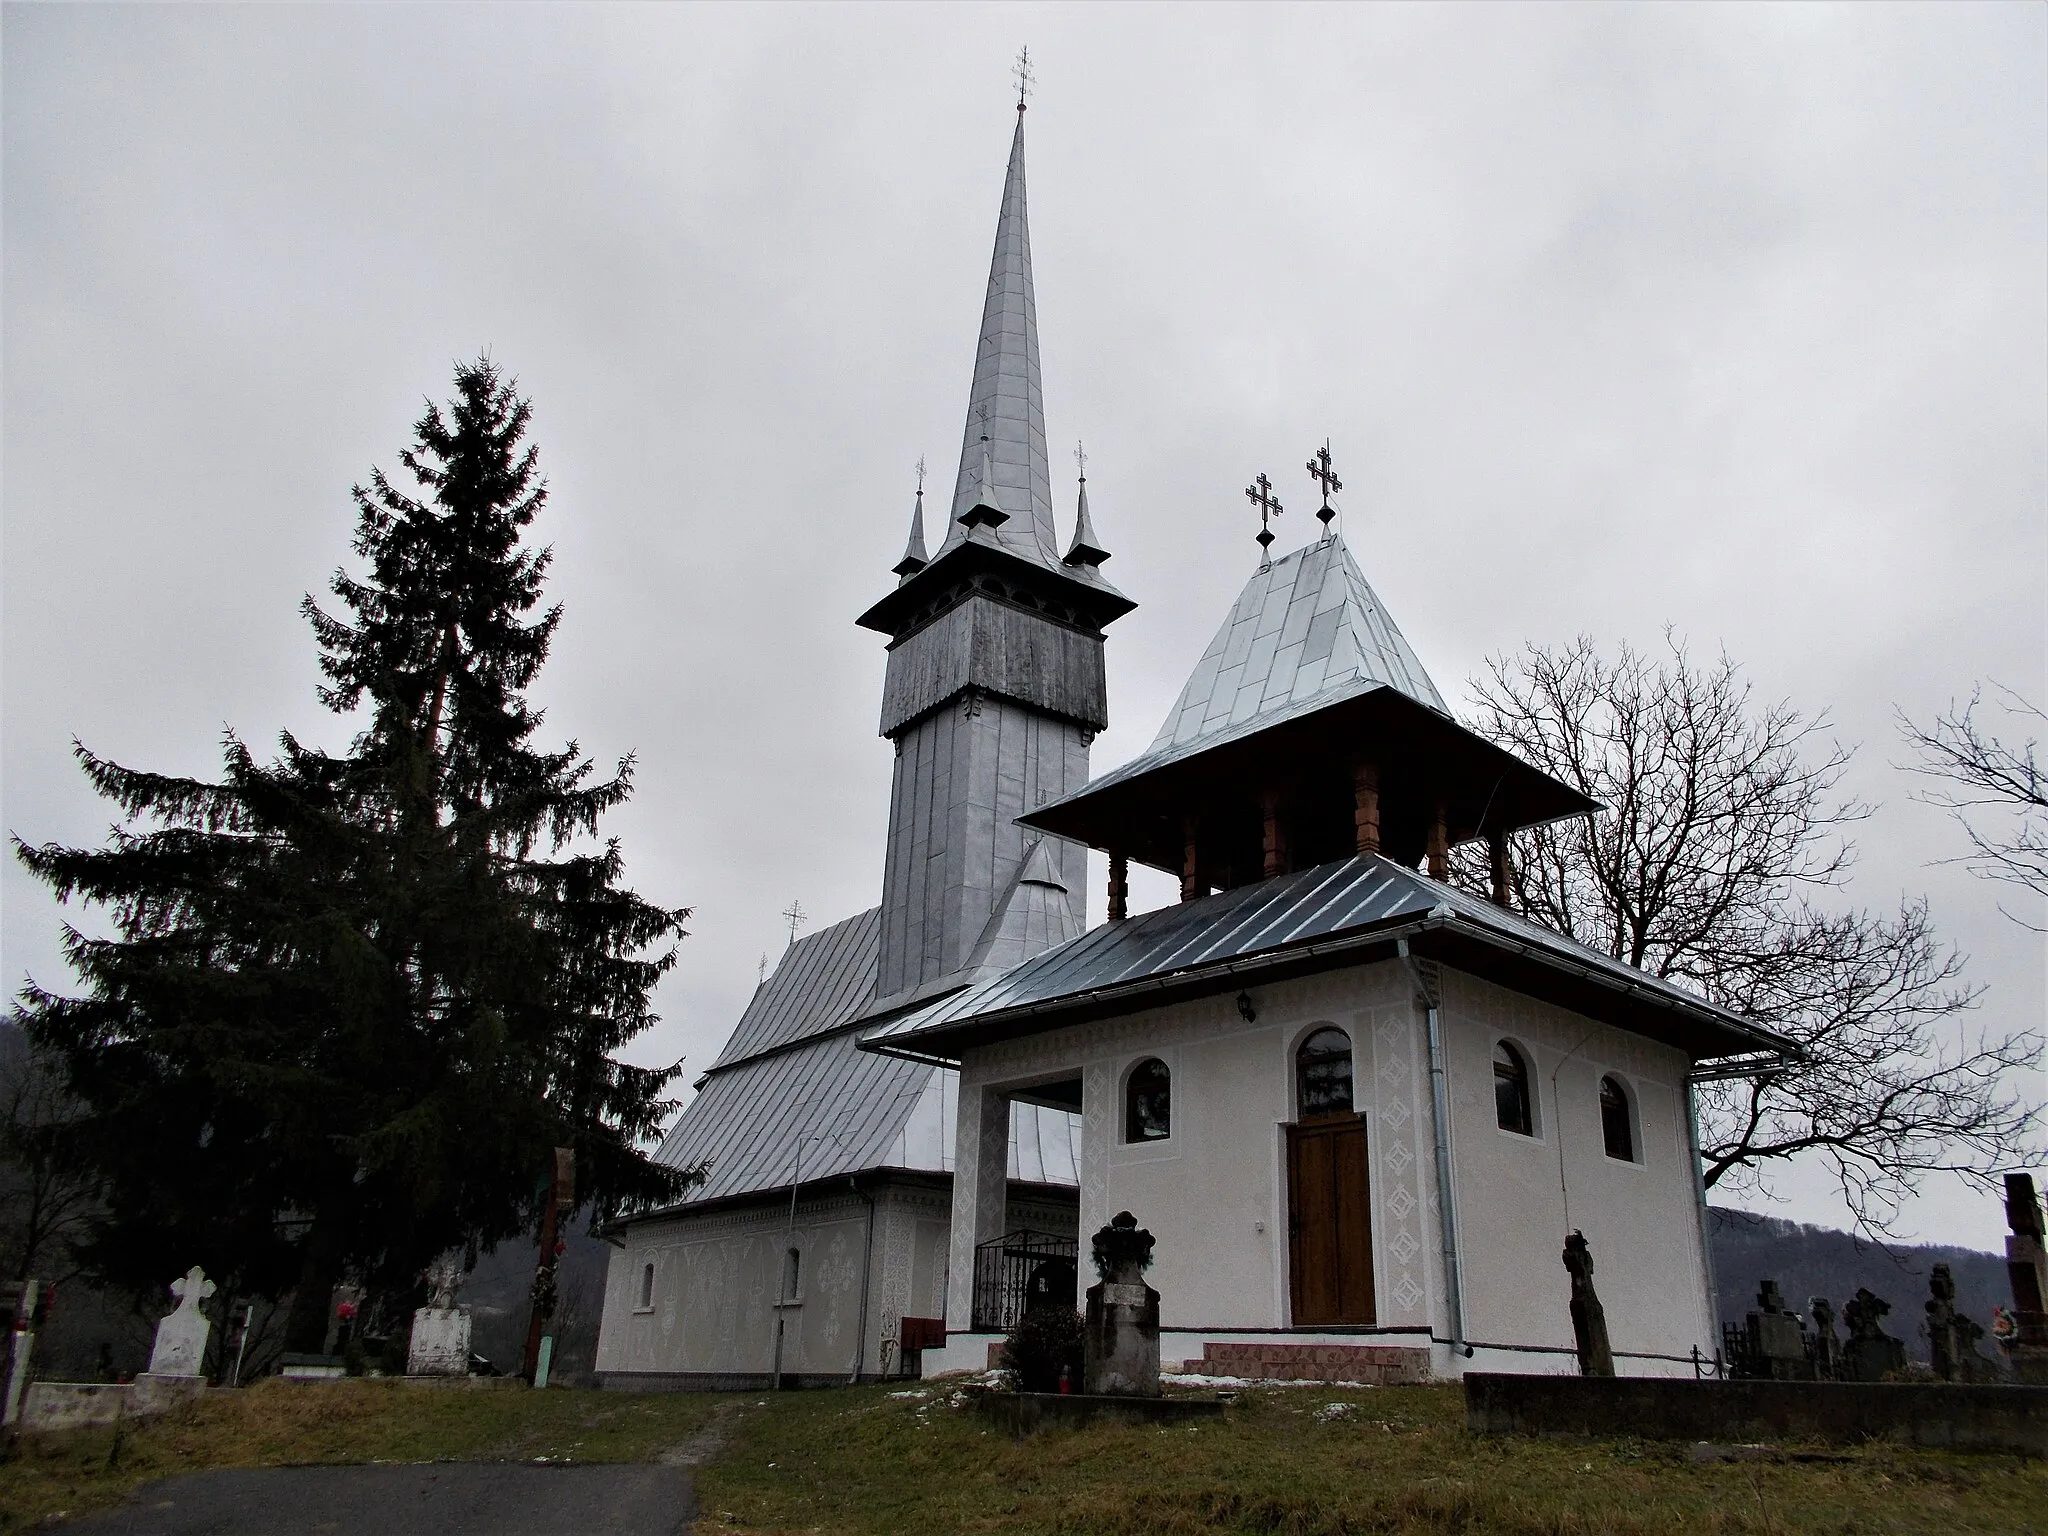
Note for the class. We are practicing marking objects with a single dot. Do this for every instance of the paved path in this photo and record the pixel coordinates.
(437, 1499)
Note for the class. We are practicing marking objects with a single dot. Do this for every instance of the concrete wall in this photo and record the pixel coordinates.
(1214, 1191)
(718, 1274)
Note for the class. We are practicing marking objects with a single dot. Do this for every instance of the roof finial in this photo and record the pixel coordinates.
(794, 914)
(1260, 494)
(1320, 471)
(914, 559)
(1025, 79)
(1086, 549)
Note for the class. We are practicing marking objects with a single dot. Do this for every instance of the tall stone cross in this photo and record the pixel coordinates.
(1260, 494)
(1320, 471)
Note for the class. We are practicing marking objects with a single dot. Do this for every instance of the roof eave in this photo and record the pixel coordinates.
(944, 1045)
(1093, 595)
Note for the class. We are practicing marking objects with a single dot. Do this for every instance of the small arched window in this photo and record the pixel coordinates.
(1322, 1074)
(1615, 1129)
(792, 1275)
(1148, 1102)
(1511, 1108)
(647, 1288)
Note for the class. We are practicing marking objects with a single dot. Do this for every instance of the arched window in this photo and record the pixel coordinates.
(1322, 1074)
(1148, 1102)
(792, 1274)
(1615, 1129)
(1511, 1108)
(647, 1288)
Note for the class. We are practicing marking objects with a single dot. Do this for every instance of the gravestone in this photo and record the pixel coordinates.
(1872, 1354)
(1589, 1318)
(440, 1329)
(1120, 1337)
(181, 1337)
(2026, 1264)
(1777, 1342)
(1827, 1348)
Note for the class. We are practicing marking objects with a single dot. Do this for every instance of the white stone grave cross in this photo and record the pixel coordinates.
(181, 1336)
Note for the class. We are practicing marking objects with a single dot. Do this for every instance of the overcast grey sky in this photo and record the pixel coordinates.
(1729, 318)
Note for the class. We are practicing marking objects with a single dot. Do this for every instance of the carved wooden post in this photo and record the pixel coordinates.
(1275, 837)
(1439, 845)
(1365, 814)
(1119, 887)
(1497, 845)
(1190, 867)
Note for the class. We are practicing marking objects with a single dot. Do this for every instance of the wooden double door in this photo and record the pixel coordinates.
(1329, 1221)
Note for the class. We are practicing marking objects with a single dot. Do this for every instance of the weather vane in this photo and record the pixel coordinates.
(1320, 471)
(1260, 494)
(1025, 79)
(794, 915)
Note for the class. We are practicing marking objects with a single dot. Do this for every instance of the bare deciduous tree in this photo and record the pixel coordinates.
(1723, 829)
(44, 1202)
(1996, 790)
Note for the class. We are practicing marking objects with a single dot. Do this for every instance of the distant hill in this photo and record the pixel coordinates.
(1819, 1261)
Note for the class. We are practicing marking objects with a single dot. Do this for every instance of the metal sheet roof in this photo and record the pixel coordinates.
(1305, 632)
(1271, 920)
(823, 981)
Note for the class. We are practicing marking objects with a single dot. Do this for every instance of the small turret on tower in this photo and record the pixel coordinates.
(1085, 550)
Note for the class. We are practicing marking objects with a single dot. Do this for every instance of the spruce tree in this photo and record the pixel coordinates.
(353, 1000)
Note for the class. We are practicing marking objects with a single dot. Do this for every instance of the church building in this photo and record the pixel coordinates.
(1359, 1106)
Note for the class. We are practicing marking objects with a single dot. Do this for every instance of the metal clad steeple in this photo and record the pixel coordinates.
(1005, 399)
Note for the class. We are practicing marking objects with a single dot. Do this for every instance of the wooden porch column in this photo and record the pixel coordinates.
(1275, 836)
(1365, 815)
(1190, 866)
(1439, 845)
(1497, 846)
(1119, 887)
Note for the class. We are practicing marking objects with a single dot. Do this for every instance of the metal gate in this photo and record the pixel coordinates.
(1018, 1268)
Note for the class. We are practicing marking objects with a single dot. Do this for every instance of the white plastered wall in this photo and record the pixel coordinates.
(718, 1276)
(1213, 1193)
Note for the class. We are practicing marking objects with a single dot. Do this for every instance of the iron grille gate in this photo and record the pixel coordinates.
(1021, 1266)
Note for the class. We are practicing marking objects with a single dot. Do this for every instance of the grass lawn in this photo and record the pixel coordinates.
(1280, 1463)
(1400, 1461)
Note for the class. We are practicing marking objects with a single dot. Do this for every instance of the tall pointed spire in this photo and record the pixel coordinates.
(913, 559)
(1086, 549)
(1005, 400)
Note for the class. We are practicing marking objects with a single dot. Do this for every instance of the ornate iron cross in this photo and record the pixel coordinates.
(1320, 471)
(794, 914)
(1260, 494)
(1025, 79)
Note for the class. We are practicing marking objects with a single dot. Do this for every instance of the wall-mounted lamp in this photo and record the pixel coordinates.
(1245, 1008)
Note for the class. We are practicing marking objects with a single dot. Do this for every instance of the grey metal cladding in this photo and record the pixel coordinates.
(1325, 902)
(1005, 400)
(1002, 650)
(826, 1099)
(824, 979)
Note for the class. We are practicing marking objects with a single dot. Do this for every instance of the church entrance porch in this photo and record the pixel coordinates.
(1329, 1223)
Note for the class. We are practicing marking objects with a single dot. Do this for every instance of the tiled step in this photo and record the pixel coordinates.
(1382, 1365)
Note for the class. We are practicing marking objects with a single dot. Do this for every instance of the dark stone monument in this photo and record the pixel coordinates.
(1589, 1318)
(1941, 1323)
(1872, 1354)
(1120, 1339)
(1777, 1341)
(1827, 1349)
(2026, 1264)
